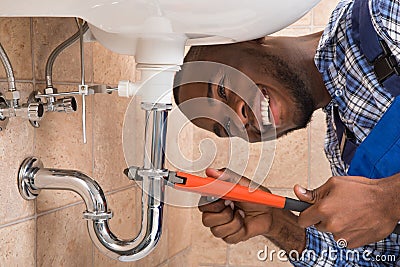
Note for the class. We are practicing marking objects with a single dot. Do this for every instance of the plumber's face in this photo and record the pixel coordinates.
(234, 103)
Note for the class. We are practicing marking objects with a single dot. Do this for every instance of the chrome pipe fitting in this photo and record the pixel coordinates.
(35, 111)
(3, 120)
(66, 104)
(12, 98)
(32, 178)
(50, 100)
(32, 111)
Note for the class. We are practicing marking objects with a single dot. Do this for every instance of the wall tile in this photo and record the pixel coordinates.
(303, 21)
(48, 33)
(183, 259)
(318, 29)
(15, 38)
(16, 143)
(323, 11)
(125, 223)
(319, 166)
(110, 68)
(290, 164)
(109, 161)
(63, 239)
(290, 161)
(17, 244)
(59, 144)
(293, 32)
(245, 253)
(178, 222)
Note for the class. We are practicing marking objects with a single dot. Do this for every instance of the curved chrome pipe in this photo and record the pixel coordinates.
(54, 54)
(9, 70)
(33, 178)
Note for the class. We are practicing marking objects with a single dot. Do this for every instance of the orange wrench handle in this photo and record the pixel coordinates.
(226, 190)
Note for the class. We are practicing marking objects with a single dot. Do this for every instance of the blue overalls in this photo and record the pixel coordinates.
(378, 156)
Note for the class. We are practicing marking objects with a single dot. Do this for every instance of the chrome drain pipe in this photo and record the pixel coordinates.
(32, 178)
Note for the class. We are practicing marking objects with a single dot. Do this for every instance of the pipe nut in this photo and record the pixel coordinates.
(97, 216)
(12, 95)
(50, 90)
(66, 104)
(35, 111)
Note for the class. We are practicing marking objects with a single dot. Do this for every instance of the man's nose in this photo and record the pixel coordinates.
(240, 109)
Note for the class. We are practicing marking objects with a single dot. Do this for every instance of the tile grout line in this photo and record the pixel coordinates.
(181, 252)
(17, 222)
(40, 214)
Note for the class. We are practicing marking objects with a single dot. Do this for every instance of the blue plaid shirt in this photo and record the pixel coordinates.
(361, 101)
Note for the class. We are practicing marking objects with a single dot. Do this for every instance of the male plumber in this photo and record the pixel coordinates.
(350, 71)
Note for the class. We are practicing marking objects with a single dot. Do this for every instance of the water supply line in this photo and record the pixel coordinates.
(68, 103)
(13, 95)
(9, 102)
(32, 178)
(54, 54)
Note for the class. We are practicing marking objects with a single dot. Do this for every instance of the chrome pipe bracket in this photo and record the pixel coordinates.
(3, 121)
(152, 172)
(97, 216)
(32, 99)
(26, 174)
(156, 106)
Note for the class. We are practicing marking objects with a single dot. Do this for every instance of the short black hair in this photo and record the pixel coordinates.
(193, 54)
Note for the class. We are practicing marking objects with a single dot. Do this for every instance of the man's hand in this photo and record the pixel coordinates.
(357, 209)
(237, 221)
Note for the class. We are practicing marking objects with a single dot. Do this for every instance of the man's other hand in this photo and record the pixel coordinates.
(357, 209)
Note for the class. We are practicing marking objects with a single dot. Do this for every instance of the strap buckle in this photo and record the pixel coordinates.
(386, 64)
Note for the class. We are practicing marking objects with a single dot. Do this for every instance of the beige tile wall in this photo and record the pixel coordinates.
(50, 231)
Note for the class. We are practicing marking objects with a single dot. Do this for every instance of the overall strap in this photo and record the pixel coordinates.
(385, 65)
(374, 48)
